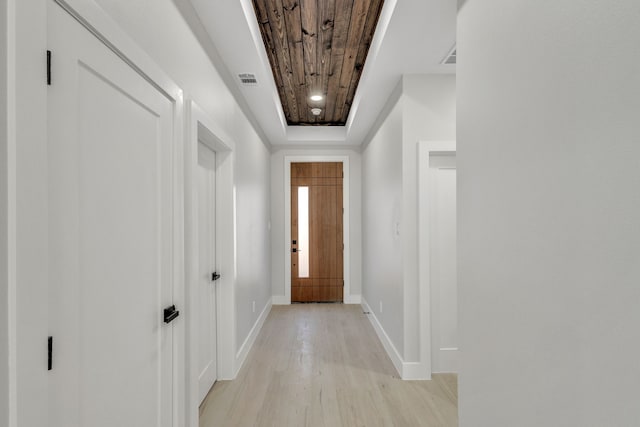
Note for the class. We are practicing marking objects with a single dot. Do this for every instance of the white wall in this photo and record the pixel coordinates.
(253, 282)
(278, 248)
(382, 269)
(549, 202)
(159, 28)
(4, 243)
(425, 110)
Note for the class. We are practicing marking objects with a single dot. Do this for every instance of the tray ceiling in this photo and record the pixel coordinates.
(317, 47)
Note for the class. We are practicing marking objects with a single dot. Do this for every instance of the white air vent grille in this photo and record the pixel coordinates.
(451, 57)
(248, 79)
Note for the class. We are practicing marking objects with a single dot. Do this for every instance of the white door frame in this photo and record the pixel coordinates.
(201, 128)
(425, 150)
(287, 222)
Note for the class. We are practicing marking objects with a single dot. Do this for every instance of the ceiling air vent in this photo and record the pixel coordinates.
(248, 79)
(451, 57)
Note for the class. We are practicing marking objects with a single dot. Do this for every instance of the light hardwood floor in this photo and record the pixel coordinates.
(323, 365)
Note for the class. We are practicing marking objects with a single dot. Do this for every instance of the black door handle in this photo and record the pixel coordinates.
(170, 313)
(215, 276)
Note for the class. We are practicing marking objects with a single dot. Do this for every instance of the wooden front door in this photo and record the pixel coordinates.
(316, 232)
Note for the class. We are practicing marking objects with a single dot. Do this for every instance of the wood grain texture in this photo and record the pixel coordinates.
(317, 47)
(373, 15)
(323, 365)
(326, 250)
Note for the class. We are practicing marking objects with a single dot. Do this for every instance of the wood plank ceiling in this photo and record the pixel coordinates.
(317, 47)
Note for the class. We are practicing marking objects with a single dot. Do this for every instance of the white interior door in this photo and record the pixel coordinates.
(206, 292)
(443, 273)
(110, 199)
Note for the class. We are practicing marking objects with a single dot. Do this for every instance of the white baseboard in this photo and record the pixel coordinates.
(415, 371)
(241, 356)
(280, 300)
(393, 353)
(406, 370)
(353, 299)
(448, 361)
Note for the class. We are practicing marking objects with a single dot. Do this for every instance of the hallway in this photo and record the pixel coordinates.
(323, 365)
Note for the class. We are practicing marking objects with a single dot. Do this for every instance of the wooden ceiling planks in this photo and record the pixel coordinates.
(317, 47)
(370, 26)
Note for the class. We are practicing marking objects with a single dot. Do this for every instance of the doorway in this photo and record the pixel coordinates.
(209, 250)
(317, 248)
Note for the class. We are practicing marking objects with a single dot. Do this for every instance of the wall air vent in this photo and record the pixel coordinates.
(248, 79)
(451, 57)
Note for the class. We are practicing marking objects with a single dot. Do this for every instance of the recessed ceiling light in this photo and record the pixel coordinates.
(316, 111)
(316, 97)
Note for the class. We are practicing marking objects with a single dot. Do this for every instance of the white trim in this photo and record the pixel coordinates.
(280, 300)
(449, 360)
(287, 220)
(27, 205)
(425, 149)
(406, 370)
(353, 299)
(391, 349)
(11, 174)
(179, 330)
(200, 127)
(414, 371)
(247, 345)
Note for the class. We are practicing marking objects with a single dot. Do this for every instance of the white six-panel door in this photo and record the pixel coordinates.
(110, 185)
(206, 291)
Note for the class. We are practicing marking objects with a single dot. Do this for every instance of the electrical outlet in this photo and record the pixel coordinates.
(380, 306)
(253, 306)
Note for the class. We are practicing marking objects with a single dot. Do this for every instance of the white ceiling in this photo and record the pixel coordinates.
(413, 37)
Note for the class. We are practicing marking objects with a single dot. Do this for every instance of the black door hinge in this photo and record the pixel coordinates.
(49, 68)
(50, 353)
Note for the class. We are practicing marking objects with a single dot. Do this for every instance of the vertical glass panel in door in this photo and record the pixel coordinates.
(303, 232)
